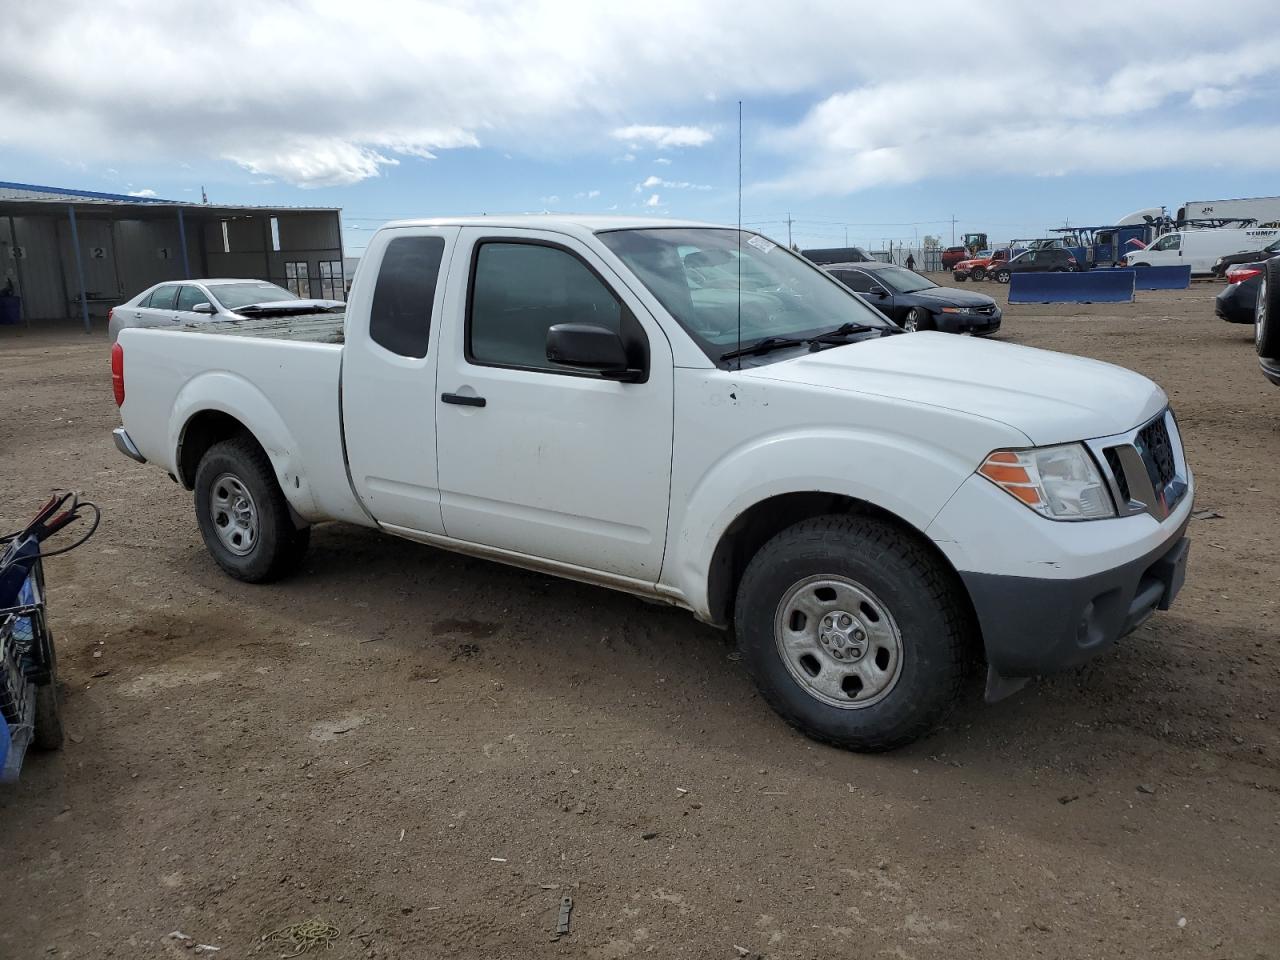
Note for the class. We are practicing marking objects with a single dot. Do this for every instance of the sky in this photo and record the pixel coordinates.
(861, 122)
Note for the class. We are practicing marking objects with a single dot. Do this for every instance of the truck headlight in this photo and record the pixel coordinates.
(1061, 482)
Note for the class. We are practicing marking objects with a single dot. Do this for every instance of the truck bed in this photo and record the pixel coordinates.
(307, 328)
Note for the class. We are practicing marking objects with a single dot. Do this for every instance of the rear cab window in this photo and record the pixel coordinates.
(400, 318)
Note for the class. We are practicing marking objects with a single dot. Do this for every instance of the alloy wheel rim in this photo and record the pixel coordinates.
(234, 514)
(838, 641)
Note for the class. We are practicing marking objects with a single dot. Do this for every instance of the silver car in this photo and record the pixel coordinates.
(178, 302)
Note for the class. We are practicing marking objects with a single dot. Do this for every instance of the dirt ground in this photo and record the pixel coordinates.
(429, 752)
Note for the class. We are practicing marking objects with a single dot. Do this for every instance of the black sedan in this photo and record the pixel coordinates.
(1225, 263)
(1237, 301)
(916, 302)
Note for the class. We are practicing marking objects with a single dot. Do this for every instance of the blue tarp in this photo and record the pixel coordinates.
(1092, 286)
(1163, 278)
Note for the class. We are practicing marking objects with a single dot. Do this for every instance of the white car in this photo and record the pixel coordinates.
(870, 512)
(1200, 248)
(177, 302)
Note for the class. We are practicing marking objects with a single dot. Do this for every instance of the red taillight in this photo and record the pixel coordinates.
(1241, 274)
(117, 373)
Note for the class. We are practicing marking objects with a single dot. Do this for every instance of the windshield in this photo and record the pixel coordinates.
(233, 296)
(693, 271)
(901, 280)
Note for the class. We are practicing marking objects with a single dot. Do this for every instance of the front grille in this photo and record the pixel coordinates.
(985, 311)
(1117, 471)
(1156, 451)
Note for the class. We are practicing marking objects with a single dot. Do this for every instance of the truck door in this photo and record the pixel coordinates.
(538, 458)
(389, 375)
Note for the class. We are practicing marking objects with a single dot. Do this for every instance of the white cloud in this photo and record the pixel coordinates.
(1094, 118)
(663, 137)
(651, 181)
(550, 201)
(586, 194)
(662, 160)
(145, 192)
(653, 201)
(1048, 94)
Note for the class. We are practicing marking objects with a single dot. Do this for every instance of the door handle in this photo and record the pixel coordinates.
(462, 399)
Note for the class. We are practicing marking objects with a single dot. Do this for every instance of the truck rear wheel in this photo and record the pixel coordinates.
(243, 515)
(854, 633)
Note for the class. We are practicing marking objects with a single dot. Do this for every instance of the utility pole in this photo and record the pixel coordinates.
(953, 229)
(846, 236)
(788, 230)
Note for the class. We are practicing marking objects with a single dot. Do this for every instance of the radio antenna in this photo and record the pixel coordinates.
(739, 234)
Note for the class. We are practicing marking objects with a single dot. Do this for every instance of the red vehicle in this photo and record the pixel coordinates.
(953, 255)
(977, 267)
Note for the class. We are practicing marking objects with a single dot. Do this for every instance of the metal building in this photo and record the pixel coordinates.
(74, 254)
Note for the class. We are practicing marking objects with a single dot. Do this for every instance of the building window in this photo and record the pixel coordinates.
(295, 278)
(331, 279)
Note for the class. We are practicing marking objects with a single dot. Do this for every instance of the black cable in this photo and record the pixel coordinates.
(97, 519)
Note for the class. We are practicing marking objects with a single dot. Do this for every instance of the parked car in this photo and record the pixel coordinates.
(1223, 263)
(865, 509)
(978, 266)
(1043, 260)
(1200, 248)
(202, 301)
(953, 255)
(916, 302)
(837, 255)
(1266, 328)
(1238, 300)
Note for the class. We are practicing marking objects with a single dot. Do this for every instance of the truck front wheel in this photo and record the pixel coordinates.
(853, 631)
(243, 515)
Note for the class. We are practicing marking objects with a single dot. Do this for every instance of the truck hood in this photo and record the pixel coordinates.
(1049, 397)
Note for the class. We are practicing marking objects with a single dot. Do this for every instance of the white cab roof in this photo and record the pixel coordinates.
(577, 224)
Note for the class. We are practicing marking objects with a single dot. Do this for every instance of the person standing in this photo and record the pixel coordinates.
(911, 262)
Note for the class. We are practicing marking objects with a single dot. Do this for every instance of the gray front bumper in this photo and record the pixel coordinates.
(1032, 626)
(124, 443)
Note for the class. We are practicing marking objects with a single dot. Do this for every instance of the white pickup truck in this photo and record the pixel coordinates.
(699, 416)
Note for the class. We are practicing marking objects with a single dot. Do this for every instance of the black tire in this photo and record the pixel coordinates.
(959, 277)
(1142, 264)
(1266, 312)
(920, 595)
(979, 273)
(1002, 276)
(48, 734)
(276, 546)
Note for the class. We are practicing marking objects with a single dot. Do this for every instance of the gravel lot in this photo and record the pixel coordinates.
(429, 752)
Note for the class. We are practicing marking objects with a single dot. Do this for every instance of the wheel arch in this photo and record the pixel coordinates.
(219, 405)
(757, 524)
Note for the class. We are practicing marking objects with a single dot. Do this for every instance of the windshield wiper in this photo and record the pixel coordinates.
(762, 347)
(848, 330)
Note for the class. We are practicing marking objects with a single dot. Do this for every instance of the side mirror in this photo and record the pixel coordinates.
(203, 308)
(878, 291)
(589, 347)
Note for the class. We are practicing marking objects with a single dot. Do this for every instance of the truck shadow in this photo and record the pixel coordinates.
(554, 638)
